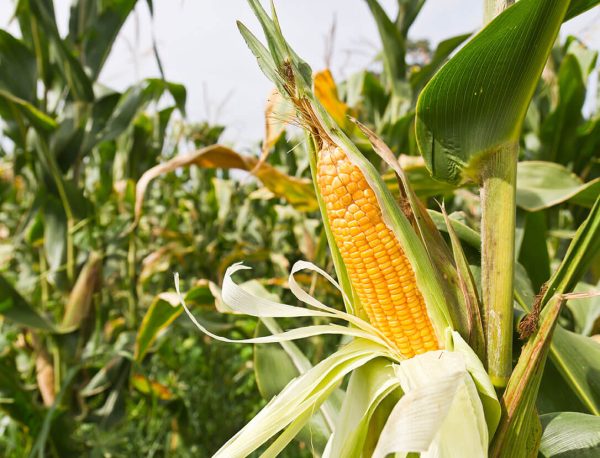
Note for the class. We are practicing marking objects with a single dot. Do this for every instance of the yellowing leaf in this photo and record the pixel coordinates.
(327, 93)
(298, 191)
(143, 385)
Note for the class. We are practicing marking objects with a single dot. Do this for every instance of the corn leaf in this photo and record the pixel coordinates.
(577, 357)
(297, 191)
(533, 250)
(576, 7)
(570, 434)
(394, 47)
(586, 311)
(369, 385)
(419, 78)
(560, 129)
(469, 292)
(95, 29)
(518, 430)
(543, 185)
(38, 118)
(74, 75)
(478, 100)
(274, 369)
(464, 232)
(299, 399)
(14, 307)
(162, 312)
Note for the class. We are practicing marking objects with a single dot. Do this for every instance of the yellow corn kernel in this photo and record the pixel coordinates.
(378, 268)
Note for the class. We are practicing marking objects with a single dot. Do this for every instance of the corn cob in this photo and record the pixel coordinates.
(379, 271)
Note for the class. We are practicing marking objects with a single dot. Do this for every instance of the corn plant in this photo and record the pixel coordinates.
(430, 365)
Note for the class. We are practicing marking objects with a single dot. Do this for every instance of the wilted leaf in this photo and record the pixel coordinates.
(299, 192)
(44, 371)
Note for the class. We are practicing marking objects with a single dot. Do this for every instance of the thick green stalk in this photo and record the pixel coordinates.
(498, 215)
(498, 208)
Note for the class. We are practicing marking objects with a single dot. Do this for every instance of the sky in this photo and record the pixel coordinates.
(200, 47)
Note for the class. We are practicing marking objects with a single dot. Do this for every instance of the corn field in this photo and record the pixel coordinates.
(405, 264)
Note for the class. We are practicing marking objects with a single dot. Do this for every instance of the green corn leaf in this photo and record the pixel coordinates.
(576, 7)
(72, 69)
(577, 357)
(19, 75)
(136, 99)
(570, 434)
(478, 100)
(585, 311)
(162, 312)
(559, 131)
(582, 251)
(419, 78)
(14, 307)
(94, 29)
(543, 185)
(394, 46)
(368, 388)
(469, 291)
(37, 117)
(408, 10)
(533, 253)
(518, 432)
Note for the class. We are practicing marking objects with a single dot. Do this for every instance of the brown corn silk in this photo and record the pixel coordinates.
(379, 270)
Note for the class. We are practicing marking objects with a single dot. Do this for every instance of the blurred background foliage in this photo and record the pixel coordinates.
(105, 194)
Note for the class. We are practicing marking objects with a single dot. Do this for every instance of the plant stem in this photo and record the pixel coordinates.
(132, 278)
(498, 217)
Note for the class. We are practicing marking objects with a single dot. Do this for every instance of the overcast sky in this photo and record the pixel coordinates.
(200, 47)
